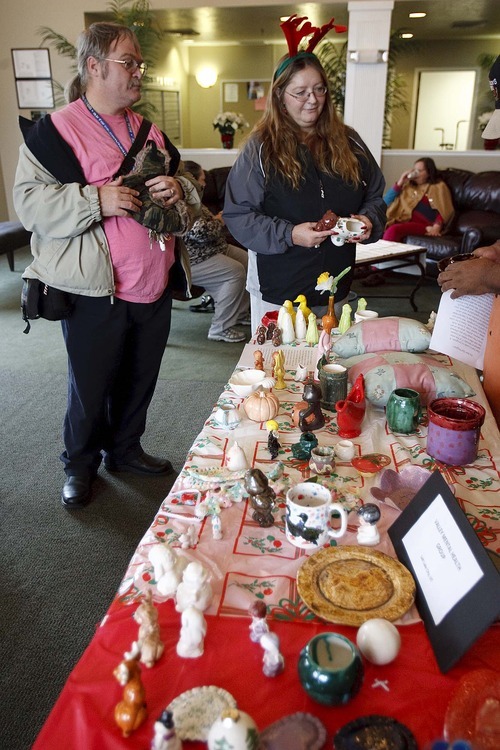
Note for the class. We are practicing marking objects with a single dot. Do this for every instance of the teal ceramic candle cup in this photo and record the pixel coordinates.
(403, 411)
(330, 669)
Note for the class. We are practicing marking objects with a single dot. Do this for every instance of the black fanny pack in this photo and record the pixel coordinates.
(38, 300)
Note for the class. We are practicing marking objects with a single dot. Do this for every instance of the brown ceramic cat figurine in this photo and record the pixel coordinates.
(327, 221)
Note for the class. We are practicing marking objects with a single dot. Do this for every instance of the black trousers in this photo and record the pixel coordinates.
(114, 356)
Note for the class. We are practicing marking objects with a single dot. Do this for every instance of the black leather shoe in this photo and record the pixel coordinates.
(207, 305)
(76, 492)
(143, 464)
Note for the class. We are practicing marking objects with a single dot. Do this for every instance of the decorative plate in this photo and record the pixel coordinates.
(349, 585)
(370, 463)
(298, 731)
(400, 488)
(196, 710)
(374, 733)
(215, 474)
(472, 713)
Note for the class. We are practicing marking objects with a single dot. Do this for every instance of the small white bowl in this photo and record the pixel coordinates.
(246, 381)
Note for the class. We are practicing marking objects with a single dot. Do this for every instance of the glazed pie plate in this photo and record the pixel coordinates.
(350, 585)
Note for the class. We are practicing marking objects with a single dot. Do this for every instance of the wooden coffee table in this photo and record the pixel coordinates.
(400, 255)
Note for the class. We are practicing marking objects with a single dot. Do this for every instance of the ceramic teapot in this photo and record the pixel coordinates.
(347, 228)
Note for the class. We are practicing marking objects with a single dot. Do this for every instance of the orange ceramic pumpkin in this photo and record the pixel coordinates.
(261, 405)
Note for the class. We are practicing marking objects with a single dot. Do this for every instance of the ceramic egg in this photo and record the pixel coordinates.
(234, 729)
(378, 640)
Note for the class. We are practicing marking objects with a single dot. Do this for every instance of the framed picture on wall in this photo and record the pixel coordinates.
(33, 78)
(35, 94)
(31, 63)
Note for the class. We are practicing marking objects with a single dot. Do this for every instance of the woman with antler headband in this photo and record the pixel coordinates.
(300, 161)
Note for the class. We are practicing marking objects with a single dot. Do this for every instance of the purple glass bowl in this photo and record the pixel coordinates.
(401, 487)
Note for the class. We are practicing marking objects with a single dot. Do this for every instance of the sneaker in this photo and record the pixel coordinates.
(230, 336)
(207, 305)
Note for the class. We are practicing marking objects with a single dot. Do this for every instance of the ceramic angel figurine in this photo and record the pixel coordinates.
(300, 325)
(312, 335)
(168, 568)
(258, 611)
(148, 641)
(361, 304)
(195, 589)
(368, 534)
(288, 305)
(345, 318)
(273, 662)
(193, 631)
(165, 736)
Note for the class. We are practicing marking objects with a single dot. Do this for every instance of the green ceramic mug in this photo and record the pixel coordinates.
(330, 669)
(403, 411)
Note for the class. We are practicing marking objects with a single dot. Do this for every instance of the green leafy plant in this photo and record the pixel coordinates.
(136, 15)
(333, 57)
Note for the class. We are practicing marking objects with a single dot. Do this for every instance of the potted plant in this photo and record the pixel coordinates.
(228, 123)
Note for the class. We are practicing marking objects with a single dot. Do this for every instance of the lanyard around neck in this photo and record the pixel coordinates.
(107, 128)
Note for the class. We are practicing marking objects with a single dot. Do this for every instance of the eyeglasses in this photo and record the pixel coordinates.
(131, 65)
(303, 96)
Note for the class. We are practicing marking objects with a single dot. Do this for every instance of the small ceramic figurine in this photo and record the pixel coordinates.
(300, 373)
(279, 374)
(131, 711)
(168, 568)
(193, 631)
(260, 336)
(189, 537)
(301, 299)
(300, 326)
(277, 338)
(361, 304)
(345, 319)
(302, 449)
(287, 328)
(270, 330)
(258, 611)
(195, 589)
(273, 444)
(165, 736)
(311, 418)
(273, 662)
(258, 360)
(150, 645)
(368, 534)
(288, 305)
(262, 497)
(312, 335)
(236, 459)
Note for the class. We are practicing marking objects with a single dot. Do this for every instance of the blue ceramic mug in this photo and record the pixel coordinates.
(330, 669)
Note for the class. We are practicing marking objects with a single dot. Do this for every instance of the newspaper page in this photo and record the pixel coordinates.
(461, 327)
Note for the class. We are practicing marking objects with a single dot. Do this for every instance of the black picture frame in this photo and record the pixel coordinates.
(470, 617)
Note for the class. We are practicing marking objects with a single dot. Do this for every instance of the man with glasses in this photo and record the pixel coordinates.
(86, 243)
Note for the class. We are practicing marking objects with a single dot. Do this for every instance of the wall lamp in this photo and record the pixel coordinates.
(368, 56)
(206, 77)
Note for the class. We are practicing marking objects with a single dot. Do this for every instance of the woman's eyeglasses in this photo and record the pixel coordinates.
(303, 96)
(131, 65)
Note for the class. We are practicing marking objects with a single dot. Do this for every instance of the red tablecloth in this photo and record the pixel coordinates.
(411, 689)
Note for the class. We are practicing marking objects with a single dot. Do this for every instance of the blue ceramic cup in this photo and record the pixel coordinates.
(330, 669)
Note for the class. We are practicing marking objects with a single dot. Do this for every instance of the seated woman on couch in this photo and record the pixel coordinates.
(419, 203)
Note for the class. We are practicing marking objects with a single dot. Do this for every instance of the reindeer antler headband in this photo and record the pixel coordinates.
(295, 30)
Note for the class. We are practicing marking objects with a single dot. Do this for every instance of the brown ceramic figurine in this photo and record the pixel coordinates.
(150, 645)
(131, 711)
(311, 417)
(258, 358)
(262, 497)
